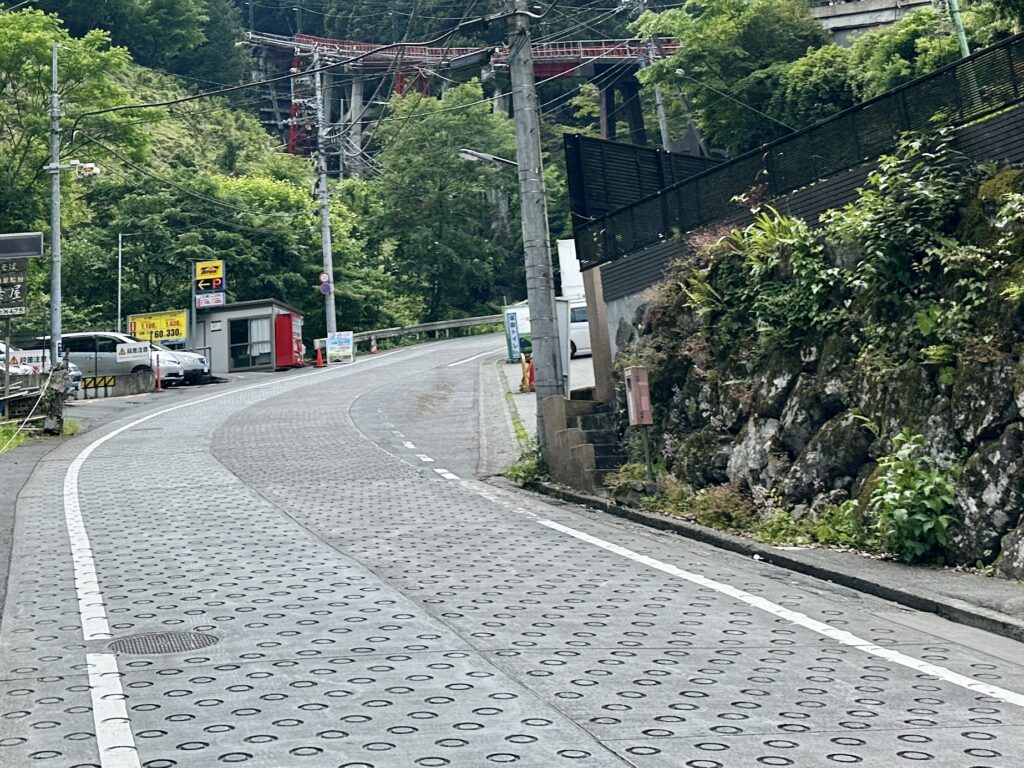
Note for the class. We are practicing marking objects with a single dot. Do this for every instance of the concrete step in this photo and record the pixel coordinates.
(596, 421)
(608, 449)
(609, 461)
(597, 436)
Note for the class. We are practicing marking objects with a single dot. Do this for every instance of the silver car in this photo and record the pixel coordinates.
(95, 352)
(195, 366)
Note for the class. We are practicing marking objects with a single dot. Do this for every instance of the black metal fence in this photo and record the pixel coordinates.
(985, 82)
(605, 175)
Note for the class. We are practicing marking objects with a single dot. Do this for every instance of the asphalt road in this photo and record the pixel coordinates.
(306, 569)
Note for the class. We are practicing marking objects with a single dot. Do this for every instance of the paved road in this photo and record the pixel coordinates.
(342, 590)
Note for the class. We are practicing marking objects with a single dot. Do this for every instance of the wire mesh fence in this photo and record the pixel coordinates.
(960, 93)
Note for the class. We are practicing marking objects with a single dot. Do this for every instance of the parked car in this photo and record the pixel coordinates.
(579, 328)
(18, 368)
(95, 352)
(195, 366)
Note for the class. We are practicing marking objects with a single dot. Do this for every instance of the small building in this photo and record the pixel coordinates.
(259, 335)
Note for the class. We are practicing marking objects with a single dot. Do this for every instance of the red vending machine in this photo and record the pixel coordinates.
(288, 340)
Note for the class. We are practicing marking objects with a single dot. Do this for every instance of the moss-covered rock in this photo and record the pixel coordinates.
(989, 497)
(702, 458)
(983, 399)
(751, 462)
(837, 451)
(1011, 561)
(807, 408)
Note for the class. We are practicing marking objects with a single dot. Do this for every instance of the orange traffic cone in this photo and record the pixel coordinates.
(158, 387)
(319, 358)
(373, 345)
(532, 375)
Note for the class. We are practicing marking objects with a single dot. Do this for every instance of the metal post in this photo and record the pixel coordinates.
(55, 267)
(193, 325)
(120, 238)
(324, 195)
(540, 291)
(7, 364)
(958, 22)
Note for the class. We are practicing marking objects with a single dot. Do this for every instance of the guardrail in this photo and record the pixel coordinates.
(438, 325)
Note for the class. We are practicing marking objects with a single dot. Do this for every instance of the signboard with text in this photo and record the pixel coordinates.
(340, 346)
(161, 327)
(209, 277)
(13, 287)
(131, 351)
(204, 300)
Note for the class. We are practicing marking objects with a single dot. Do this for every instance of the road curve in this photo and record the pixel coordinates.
(310, 569)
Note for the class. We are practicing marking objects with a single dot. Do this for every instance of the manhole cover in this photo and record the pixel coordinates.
(162, 642)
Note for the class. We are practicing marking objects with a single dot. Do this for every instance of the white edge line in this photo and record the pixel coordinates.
(795, 617)
(474, 357)
(110, 716)
(110, 713)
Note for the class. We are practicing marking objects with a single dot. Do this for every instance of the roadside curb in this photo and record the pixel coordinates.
(950, 608)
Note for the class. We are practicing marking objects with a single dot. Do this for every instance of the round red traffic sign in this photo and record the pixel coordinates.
(324, 277)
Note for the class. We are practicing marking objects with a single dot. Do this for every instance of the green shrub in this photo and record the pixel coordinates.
(8, 439)
(529, 467)
(911, 502)
(841, 526)
(723, 507)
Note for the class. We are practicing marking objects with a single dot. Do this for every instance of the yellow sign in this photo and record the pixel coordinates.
(210, 270)
(159, 326)
(97, 382)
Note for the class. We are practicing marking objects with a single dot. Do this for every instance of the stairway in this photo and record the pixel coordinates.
(583, 444)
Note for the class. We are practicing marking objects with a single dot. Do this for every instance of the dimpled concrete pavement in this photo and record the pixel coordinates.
(367, 601)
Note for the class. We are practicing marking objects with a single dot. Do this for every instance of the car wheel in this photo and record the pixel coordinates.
(141, 369)
(572, 349)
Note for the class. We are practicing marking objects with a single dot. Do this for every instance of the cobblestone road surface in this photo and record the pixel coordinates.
(309, 572)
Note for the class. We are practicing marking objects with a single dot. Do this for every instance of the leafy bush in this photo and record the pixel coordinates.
(911, 502)
(841, 526)
(723, 507)
(529, 467)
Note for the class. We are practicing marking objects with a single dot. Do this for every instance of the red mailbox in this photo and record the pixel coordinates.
(638, 397)
(288, 340)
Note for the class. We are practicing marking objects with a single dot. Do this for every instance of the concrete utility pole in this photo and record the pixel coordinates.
(540, 290)
(324, 193)
(958, 22)
(55, 267)
(659, 103)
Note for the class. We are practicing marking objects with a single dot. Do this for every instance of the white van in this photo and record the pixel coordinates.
(579, 328)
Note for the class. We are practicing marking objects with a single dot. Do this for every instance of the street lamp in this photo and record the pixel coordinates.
(540, 283)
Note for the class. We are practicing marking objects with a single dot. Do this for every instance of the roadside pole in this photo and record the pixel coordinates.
(55, 256)
(540, 290)
(192, 325)
(324, 194)
(7, 363)
(120, 242)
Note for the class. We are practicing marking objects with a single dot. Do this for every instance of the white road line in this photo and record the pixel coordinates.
(409, 445)
(110, 713)
(110, 716)
(424, 458)
(801, 620)
(446, 474)
(474, 357)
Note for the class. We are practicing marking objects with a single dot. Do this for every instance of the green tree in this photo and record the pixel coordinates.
(87, 76)
(219, 59)
(736, 47)
(155, 31)
(452, 245)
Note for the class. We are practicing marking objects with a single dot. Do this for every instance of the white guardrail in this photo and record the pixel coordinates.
(439, 325)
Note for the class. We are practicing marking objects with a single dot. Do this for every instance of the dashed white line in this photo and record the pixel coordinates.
(446, 474)
(409, 445)
(800, 619)
(424, 458)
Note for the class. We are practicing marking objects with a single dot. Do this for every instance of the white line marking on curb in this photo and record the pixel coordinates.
(474, 357)
(800, 619)
(110, 714)
(446, 474)
(424, 458)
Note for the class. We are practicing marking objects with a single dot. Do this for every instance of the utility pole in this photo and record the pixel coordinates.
(55, 266)
(659, 104)
(540, 290)
(323, 193)
(120, 241)
(961, 36)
